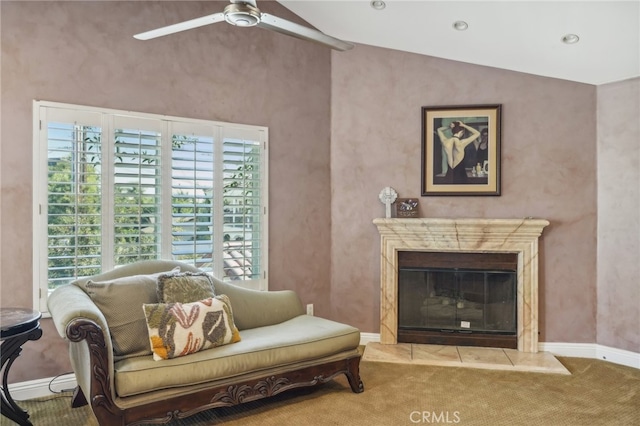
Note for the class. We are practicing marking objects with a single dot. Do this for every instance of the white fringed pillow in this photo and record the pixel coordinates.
(179, 329)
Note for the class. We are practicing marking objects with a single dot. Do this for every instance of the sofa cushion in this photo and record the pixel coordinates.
(184, 287)
(120, 301)
(179, 329)
(302, 339)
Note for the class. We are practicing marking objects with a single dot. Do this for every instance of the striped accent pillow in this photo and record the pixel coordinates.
(184, 287)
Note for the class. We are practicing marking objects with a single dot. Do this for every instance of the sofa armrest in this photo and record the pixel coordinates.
(79, 321)
(254, 308)
(70, 302)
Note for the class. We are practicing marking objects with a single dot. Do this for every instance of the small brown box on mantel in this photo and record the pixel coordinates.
(407, 207)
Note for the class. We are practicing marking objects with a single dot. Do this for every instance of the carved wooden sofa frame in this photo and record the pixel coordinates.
(220, 395)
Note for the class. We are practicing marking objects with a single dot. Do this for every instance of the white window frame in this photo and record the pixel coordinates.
(221, 130)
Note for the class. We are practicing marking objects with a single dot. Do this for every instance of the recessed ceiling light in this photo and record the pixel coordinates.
(378, 5)
(460, 25)
(570, 39)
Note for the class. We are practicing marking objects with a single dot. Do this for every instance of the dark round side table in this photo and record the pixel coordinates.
(16, 327)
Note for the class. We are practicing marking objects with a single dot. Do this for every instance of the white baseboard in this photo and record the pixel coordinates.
(40, 387)
(577, 350)
(369, 337)
(618, 356)
(593, 350)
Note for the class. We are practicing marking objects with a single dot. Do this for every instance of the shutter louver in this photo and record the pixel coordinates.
(242, 209)
(192, 200)
(137, 195)
(73, 201)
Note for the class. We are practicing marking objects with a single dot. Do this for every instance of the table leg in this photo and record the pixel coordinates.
(11, 349)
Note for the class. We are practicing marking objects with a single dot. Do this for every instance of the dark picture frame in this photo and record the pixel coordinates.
(461, 150)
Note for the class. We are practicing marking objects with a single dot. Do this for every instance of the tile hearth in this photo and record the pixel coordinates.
(464, 356)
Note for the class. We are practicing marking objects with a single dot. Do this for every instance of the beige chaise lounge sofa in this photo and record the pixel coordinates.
(280, 348)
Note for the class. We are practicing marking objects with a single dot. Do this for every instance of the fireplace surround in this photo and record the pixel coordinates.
(519, 236)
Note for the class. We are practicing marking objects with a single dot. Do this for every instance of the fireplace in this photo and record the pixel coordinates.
(514, 239)
(463, 299)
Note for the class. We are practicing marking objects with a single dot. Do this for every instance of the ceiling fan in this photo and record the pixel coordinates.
(246, 14)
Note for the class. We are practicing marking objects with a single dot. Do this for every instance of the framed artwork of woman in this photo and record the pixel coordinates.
(461, 150)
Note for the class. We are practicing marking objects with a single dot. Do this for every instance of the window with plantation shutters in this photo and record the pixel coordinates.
(137, 190)
(73, 196)
(193, 195)
(114, 187)
(242, 201)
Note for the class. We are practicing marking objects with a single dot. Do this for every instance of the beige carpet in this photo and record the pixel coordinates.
(596, 393)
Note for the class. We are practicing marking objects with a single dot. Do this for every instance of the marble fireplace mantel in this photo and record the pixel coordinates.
(463, 235)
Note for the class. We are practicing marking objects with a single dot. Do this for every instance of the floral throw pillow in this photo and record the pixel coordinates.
(179, 329)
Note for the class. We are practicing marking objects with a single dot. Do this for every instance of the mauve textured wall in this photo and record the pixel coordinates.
(548, 171)
(342, 126)
(619, 215)
(84, 53)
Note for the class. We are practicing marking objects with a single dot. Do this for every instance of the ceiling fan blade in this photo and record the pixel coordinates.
(283, 26)
(181, 26)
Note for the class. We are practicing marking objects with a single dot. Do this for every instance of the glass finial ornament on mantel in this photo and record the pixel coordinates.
(387, 197)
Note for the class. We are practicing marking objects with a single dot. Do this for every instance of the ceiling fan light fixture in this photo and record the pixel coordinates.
(460, 25)
(245, 13)
(570, 39)
(378, 4)
(242, 15)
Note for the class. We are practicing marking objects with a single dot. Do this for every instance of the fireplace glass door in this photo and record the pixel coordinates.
(457, 301)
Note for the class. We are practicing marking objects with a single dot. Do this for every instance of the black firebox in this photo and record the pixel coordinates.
(466, 299)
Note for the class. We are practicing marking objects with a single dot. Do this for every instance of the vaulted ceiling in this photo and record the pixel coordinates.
(524, 36)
